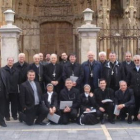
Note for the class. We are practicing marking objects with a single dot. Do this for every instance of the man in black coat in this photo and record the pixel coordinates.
(113, 72)
(3, 95)
(101, 94)
(92, 71)
(72, 68)
(39, 70)
(124, 99)
(13, 78)
(53, 73)
(133, 81)
(31, 101)
(128, 64)
(69, 93)
(22, 67)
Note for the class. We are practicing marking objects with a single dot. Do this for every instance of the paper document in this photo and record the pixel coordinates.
(106, 100)
(116, 110)
(92, 111)
(73, 78)
(54, 118)
(63, 104)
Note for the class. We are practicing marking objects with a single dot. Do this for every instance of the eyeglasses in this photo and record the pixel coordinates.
(136, 60)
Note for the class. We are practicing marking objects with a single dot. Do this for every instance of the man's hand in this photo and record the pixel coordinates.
(67, 109)
(91, 94)
(88, 110)
(53, 82)
(102, 109)
(138, 116)
(120, 106)
(74, 84)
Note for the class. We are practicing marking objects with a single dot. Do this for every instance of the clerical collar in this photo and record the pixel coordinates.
(128, 62)
(102, 89)
(37, 65)
(49, 92)
(21, 64)
(86, 94)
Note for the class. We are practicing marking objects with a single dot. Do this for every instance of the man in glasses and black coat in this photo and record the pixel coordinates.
(69, 93)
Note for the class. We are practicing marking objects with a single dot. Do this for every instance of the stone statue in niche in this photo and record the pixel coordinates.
(82, 1)
(100, 18)
(127, 18)
(27, 7)
(19, 6)
(107, 19)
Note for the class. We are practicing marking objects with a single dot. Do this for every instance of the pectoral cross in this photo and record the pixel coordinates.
(112, 72)
(54, 74)
(91, 74)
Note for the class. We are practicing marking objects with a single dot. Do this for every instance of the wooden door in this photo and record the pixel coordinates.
(56, 38)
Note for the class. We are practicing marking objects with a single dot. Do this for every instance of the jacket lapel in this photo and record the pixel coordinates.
(30, 88)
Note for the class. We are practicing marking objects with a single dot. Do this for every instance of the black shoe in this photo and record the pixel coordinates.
(135, 119)
(41, 123)
(129, 120)
(122, 118)
(7, 118)
(20, 117)
(3, 124)
(15, 118)
(102, 121)
(112, 121)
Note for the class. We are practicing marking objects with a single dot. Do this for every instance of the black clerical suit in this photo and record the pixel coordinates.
(30, 108)
(53, 72)
(133, 81)
(3, 94)
(13, 89)
(74, 69)
(100, 95)
(39, 71)
(126, 98)
(22, 68)
(89, 102)
(70, 95)
(113, 73)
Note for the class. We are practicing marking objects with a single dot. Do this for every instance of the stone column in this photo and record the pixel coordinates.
(88, 36)
(9, 36)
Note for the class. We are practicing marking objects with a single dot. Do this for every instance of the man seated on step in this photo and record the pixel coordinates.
(69, 93)
(124, 99)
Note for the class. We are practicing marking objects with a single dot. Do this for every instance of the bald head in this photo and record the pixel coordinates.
(53, 58)
(90, 56)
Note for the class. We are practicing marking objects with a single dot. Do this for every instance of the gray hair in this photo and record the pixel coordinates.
(68, 79)
(50, 85)
(100, 53)
(87, 85)
(21, 54)
(136, 56)
(122, 81)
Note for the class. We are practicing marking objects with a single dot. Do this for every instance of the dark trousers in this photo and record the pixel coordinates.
(2, 109)
(109, 109)
(129, 110)
(137, 105)
(39, 111)
(66, 116)
(13, 98)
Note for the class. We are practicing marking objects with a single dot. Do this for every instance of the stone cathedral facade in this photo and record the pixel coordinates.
(50, 26)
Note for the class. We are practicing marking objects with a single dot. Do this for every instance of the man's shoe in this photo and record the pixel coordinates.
(129, 120)
(112, 121)
(135, 119)
(20, 117)
(15, 118)
(102, 121)
(7, 118)
(41, 123)
(3, 124)
(122, 118)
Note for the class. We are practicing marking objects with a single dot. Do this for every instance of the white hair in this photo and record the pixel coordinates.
(87, 85)
(102, 53)
(40, 53)
(122, 81)
(36, 55)
(53, 55)
(21, 54)
(136, 56)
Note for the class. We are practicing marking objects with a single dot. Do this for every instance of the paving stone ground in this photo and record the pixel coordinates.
(118, 131)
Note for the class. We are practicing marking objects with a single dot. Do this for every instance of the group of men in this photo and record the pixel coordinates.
(35, 90)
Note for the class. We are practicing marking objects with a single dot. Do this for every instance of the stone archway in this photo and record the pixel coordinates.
(56, 37)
